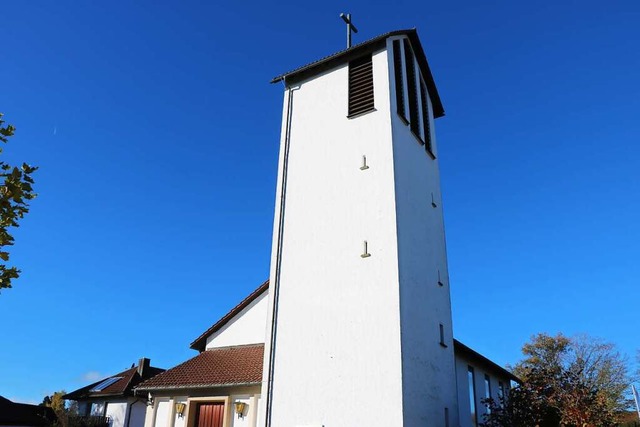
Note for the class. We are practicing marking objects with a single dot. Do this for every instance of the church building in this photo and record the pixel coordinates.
(353, 327)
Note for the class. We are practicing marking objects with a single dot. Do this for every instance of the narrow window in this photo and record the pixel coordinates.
(360, 86)
(442, 343)
(426, 126)
(414, 120)
(472, 396)
(487, 390)
(446, 417)
(397, 67)
(501, 393)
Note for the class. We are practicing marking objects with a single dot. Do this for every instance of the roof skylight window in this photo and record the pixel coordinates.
(106, 383)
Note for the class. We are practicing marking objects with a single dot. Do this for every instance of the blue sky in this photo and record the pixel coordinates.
(156, 132)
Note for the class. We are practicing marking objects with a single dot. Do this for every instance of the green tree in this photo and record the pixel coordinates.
(596, 363)
(544, 351)
(551, 398)
(56, 402)
(63, 410)
(16, 190)
(579, 381)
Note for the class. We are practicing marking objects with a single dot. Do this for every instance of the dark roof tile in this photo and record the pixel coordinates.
(217, 367)
(128, 379)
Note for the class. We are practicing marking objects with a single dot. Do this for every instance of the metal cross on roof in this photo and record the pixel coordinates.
(346, 17)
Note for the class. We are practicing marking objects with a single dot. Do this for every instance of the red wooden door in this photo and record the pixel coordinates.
(210, 414)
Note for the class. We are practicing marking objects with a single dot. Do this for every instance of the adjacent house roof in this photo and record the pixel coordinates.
(460, 348)
(121, 384)
(223, 366)
(22, 414)
(344, 56)
(201, 342)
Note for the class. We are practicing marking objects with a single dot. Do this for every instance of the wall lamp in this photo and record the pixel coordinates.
(149, 400)
(240, 407)
(180, 407)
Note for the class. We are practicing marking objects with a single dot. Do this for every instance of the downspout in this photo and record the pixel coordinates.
(276, 281)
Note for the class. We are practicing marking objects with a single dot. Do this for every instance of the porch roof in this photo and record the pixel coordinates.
(224, 366)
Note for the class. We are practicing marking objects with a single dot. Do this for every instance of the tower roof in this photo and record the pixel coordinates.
(346, 55)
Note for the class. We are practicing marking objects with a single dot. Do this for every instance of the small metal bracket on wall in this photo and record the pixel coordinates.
(364, 164)
(366, 253)
(439, 279)
(433, 201)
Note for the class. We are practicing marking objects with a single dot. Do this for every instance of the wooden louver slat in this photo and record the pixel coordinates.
(358, 82)
(360, 86)
(361, 91)
(363, 65)
(397, 68)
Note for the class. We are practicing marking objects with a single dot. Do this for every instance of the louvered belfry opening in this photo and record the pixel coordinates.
(414, 120)
(360, 86)
(397, 68)
(426, 128)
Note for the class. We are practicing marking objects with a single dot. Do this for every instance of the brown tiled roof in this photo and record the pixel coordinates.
(129, 379)
(200, 342)
(224, 366)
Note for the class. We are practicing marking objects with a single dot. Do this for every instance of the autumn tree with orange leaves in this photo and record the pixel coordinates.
(569, 382)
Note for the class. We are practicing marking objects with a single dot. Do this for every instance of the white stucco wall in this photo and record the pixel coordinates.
(117, 411)
(162, 412)
(248, 420)
(428, 372)
(259, 405)
(138, 412)
(375, 356)
(464, 402)
(338, 335)
(149, 421)
(245, 328)
(179, 421)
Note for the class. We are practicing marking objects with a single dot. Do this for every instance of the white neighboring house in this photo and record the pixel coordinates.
(478, 378)
(112, 398)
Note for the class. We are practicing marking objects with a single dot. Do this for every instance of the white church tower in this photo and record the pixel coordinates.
(360, 330)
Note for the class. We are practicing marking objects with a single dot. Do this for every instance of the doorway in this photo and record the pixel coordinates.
(210, 414)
